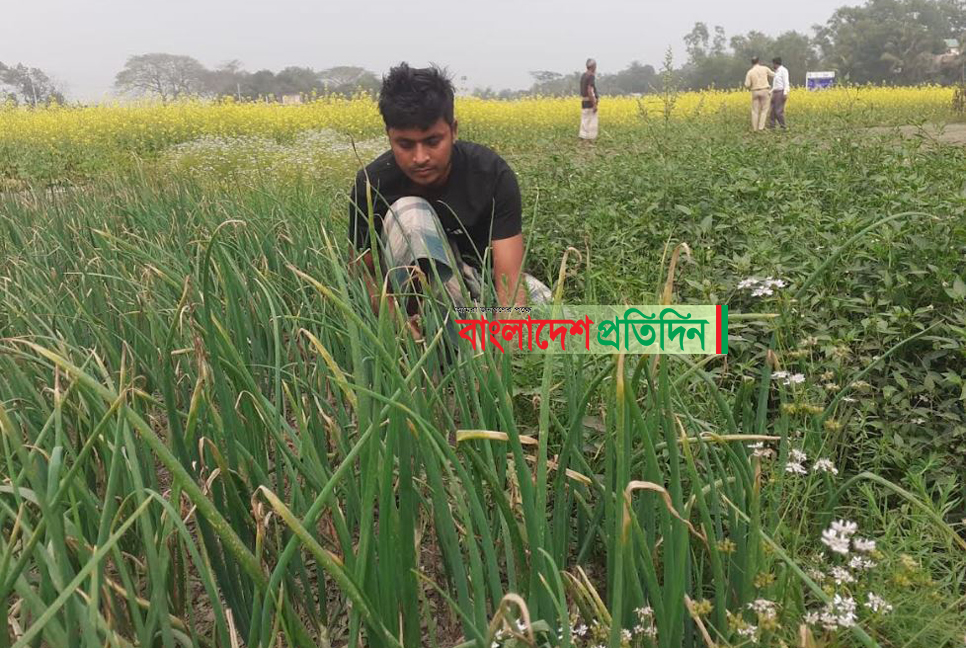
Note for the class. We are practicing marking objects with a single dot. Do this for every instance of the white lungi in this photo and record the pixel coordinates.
(588, 123)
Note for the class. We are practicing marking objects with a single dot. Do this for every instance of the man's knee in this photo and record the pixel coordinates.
(413, 240)
(399, 210)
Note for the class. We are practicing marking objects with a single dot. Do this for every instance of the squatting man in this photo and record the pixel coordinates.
(444, 209)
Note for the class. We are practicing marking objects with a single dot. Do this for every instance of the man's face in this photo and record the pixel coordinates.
(425, 156)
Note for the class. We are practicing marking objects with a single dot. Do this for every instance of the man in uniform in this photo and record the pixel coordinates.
(758, 80)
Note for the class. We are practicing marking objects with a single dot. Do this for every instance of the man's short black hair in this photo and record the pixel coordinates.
(416, 97)
(777, 60)
(754, 60)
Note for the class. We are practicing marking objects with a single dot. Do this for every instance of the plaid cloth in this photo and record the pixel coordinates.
(413, 237)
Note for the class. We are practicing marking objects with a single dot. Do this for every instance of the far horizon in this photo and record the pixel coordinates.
(85, 44)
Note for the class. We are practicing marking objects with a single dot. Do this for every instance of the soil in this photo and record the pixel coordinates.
(945, 133)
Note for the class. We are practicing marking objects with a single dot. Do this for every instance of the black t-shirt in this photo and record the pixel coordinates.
(481, 191)
(587, 81)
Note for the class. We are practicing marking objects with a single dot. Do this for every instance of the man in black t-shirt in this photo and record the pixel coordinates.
(438, 201)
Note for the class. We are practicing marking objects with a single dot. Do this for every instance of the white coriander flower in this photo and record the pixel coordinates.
(762, 291)
(750, 282)
(841, 576)
(877, 604)
(760, 451)
(835, 542)
(779, 375)
(816, 574)
(843, 604)
(750, 631)
(651, 632)
(847, 620)
(795, 468)
(521, 627)
(764, 607)
(580, 630)
(829, 621)
(638, 629)
(626, 635)
(796, 379)
(797, 456)
(644, 612)
(863, 545)
(860, 563)
(826, 466)
(838, 613)
(844, 528)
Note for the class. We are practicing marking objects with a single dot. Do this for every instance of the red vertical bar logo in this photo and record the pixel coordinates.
(717, 325)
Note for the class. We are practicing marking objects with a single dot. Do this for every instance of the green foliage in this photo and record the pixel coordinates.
(893, 41)
(207, 435)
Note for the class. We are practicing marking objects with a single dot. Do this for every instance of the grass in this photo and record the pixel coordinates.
(208, 437)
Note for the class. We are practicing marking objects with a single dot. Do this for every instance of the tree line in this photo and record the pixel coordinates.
(900, 42)
(170, 76)
(28, 85)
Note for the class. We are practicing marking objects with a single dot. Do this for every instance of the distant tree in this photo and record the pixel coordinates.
(28, 85)
(225, 80)
(712, 63)
(297, 80)
(484, 93)
(348, 79)
(720, 42)
(894, 41)
(798, 55)
(696, 42)
(636, 78)
(709, 62)
(754, 43)
(510, 94)
(554, 84)
(5, 95)
(260, 84)
(167, 76)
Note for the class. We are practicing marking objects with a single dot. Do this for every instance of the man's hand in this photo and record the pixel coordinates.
(365, 266)
(507, 265)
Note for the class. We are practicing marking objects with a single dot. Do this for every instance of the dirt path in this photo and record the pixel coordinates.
(944, 133)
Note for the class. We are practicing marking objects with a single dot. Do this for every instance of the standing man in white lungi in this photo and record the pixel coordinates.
(588, 103)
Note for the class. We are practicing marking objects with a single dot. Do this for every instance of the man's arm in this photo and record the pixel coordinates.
(364, 266)
(507, 240)
(771, 74)
(507, 266)
(360, 252)
(748, 79)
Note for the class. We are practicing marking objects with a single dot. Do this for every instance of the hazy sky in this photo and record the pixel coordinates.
(83, 43)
